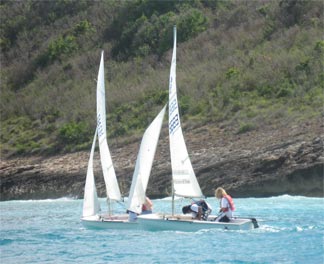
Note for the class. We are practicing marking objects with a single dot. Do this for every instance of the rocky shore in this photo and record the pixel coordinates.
(275, 160)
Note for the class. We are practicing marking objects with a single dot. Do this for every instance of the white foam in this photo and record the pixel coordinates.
(62, 199)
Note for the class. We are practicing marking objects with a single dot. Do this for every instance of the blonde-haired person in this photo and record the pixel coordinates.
(226, 205)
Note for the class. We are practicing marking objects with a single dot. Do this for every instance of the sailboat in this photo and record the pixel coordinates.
(184, 181)
(92, 215)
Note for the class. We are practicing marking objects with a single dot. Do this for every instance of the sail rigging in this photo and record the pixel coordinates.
(144, 164)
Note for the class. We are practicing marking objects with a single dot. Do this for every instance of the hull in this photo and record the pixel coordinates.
(119, 222)
(157, 222)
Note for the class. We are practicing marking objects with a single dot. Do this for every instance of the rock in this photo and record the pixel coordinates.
(272, 161)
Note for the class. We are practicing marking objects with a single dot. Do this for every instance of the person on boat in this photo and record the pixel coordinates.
(194, 209)
(226, 205)
(199, 209)
(147, 207)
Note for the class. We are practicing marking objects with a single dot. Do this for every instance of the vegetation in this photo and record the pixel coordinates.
(243, 63)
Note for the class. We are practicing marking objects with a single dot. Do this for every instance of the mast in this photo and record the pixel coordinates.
(172, 199)
(172, 75)
(109, 206)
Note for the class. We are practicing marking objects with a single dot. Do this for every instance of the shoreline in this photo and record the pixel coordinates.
(67, 199)
(261, 163)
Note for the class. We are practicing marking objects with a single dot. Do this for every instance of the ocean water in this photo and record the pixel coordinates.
(49, 231)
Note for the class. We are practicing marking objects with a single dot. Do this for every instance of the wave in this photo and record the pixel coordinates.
(284, 197)
(169, 198)
(62, 199)
(271, 229)
(305, 228)
(291, 229)
(288, 196)
(6, 241)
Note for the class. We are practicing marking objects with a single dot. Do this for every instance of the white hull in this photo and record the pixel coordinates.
(157, 222)
(119, 222)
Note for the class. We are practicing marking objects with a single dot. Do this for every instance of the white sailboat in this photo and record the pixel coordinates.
(91, 216)
(184, 181)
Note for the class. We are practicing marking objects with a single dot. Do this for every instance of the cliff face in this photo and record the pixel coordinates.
(273, 161)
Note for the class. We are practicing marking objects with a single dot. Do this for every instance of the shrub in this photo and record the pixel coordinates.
(74, 133)
(82, 27)
(191, 22)
(151, 32)
(117, 130)
(292, 11)
(319, 46)
(62, 46)
(184, 104)
(232, 72)
(159, 97)
(269, 28)
(245, 127)
(285, 89)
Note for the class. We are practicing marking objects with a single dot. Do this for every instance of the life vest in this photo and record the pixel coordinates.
(146, 207)
(230, 202)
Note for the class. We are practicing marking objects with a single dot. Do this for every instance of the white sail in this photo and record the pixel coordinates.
(91, 205)
(144, 164)
(112, 188)
(184, 179)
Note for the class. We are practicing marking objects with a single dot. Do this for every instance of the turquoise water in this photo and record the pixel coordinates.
(49, 231)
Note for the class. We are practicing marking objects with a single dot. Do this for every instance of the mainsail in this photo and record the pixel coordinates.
(91, 205)
(112, 188)
(144, 164)
(185, 183)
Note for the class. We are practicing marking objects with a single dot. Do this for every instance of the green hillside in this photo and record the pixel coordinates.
(241, 64)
